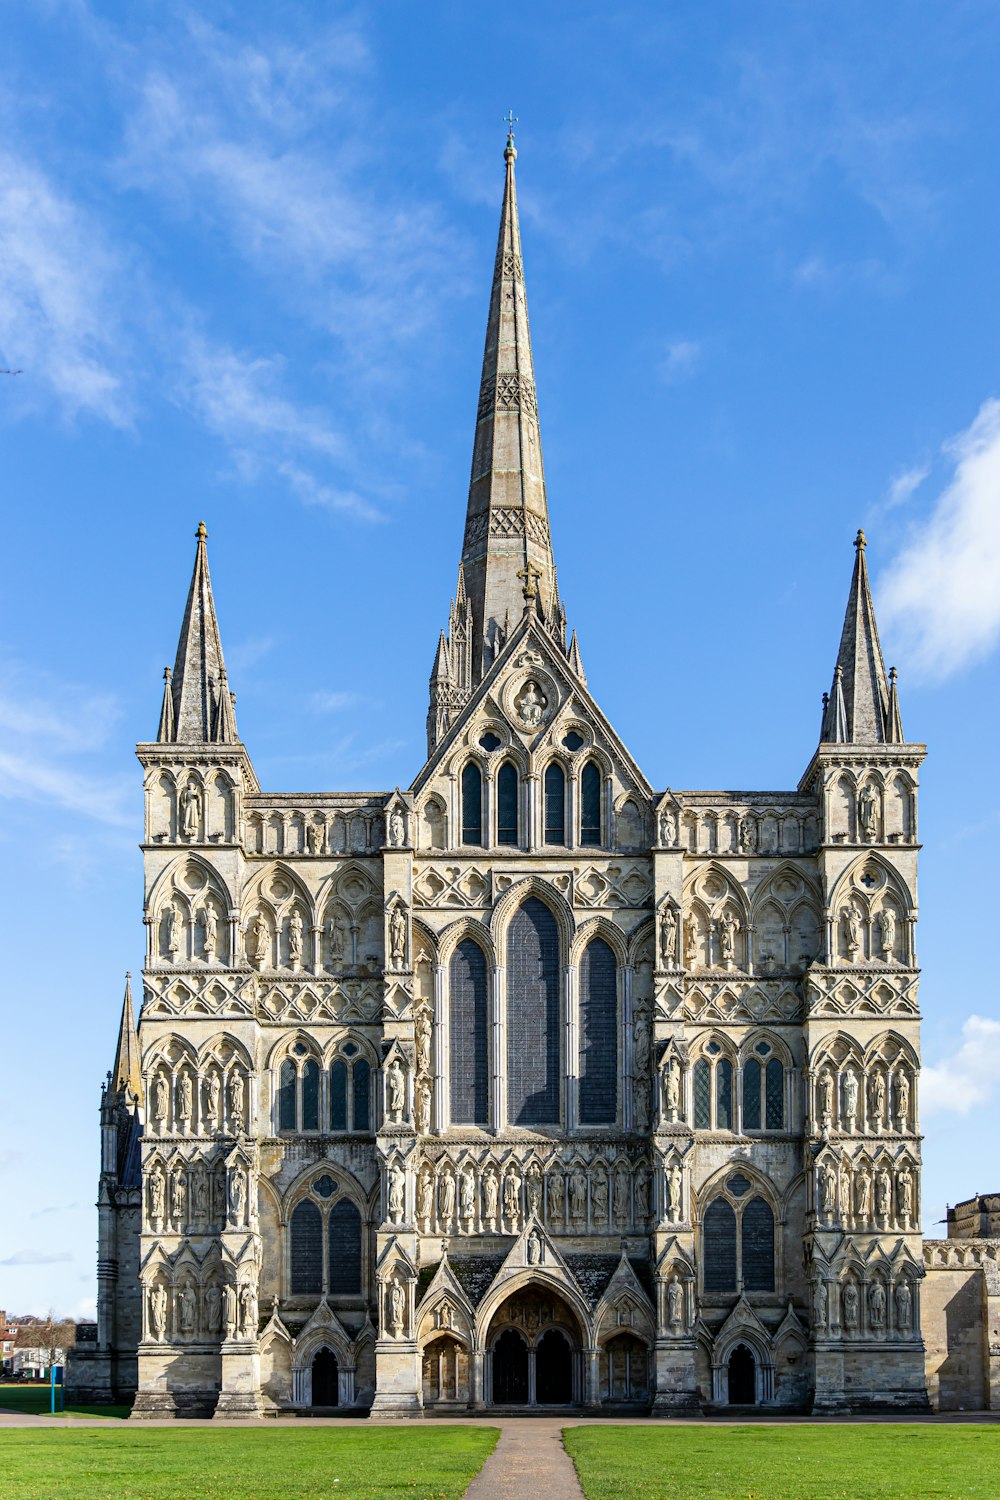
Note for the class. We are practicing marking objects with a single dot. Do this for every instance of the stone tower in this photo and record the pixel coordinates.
(530, 1085)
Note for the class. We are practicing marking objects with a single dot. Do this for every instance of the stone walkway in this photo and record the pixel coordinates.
(529, 1459)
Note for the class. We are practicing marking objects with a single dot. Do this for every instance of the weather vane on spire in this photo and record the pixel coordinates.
(510, 120)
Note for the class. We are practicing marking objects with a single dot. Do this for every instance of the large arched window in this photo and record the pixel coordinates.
(763, 1090)
(507, 800)
(555, 804)
(738, 1240)
(310, 1095)
(713, 1091)
(598, 1035)
(307, 1248)
(590, 805)
(298, 1091)
(344, 1241)
(469, 1035)
(472, 804)
(350, 1090)
(533, 1073)
(286, 1095)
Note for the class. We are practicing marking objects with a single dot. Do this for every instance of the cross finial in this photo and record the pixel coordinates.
(531, 573)
(510, 120)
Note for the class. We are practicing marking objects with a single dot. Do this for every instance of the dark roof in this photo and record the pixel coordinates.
(474, 1274)
(594, 1272)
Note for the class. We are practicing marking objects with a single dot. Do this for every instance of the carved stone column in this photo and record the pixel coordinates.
(440, 1102)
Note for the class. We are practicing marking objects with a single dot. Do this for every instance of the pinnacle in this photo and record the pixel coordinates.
(200, 706)
(861, 709)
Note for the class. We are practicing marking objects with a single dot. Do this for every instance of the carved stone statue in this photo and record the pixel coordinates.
(668, 828)
(491, 1194)
(512, 1196)
(315, 833)
(532, 704)
(850, 1303)
(690, 939)
(640, 1044)
(599, 1196)
(883, 1194)
(748, 834)
(158, 1311)
(210, 929)
(185, 1097)
(868, 814)
(161, 1098)
(446, 1197)
(396, 1089)
(229, 1309)
(825, 1099)
(675, 1189)
(260, 941)
(862, 1195)
(397, 1310)
(821, 1305)
(578, 1194)
(425, 1195)
(887, 932)
(828, 1189)
(668, 936)
(620, 1197)
(186, 1310)
(642, 1195)
(248, 1310)
(850, 1098)
(904, 1195)
(213, 1308)
(902, 1087)
(199, 1191)
(397, 937)
(876, 1306)
(422, 1034)
(175, 932)
(397, 828)
(178, 1196)
(555, 1193)
(467, 1193)
(213, 1095)
(397, 1192)
(534, 1248)
(237, 1196)
(336, 942)
(295, 938)
(672, 1089)
(851, 918)
(191, 810)
(904, 1306)
(641, 1100)
(422, 1105)
(876, 1099)
(675, 1304)
(236, 1101)
(728, 930)
(156, 1194)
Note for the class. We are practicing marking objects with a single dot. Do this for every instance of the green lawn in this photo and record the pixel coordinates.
(226, 1463)
(872, 1462)
(35, 1401)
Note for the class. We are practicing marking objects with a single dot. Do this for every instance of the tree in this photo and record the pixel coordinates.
(54, 1335)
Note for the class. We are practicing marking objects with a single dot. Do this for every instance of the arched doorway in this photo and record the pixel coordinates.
(553, 1369)
(510, 1369)
(325, 1379)
(742, 1377)
(625, 1370)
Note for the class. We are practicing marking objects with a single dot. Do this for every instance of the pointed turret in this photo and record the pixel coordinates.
(859, 710)
(126, 1075)
(575, 660)
(201, 709)
(507, 523)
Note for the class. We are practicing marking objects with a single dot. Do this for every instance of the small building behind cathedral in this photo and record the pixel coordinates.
(532, 1085)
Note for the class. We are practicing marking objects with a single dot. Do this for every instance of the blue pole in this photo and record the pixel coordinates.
(52, 1387)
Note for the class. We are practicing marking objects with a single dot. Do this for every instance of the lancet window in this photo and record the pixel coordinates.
(507, 805)
(325, 1243)
(308, 1099)
(598, 990)
(738, 1240)
(469, 1035)
(533, 1015)
(590, 806)
(713, 1091)
(763, 1090)
(472, 804)
(555, 804)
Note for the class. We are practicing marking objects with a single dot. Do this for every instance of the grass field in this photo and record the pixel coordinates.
(35, 1400)
(872, 1462)
(186, 1463)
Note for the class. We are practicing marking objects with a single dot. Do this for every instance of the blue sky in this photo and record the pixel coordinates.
(244, 265)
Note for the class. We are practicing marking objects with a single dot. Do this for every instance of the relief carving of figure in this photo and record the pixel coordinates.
(467, 1193)
(904, 1306)
(210, 929)
(675, 1188)
(851, 918)
(156, 1194)
(672, 1088)
(295, 938)
(178, 1196)
(314, 838)
(641, 1098)
(862, 1195)
(851, 1306)
(532, 704)
(237, 1196)
(185, 1097)
(690, 939)
(533, 1190)
(422, 1032)
(668, 936)
(191, 809)
(876, 1098)
(821, 1304)
(491, 1194)
(868, 814)
(396, 1089)
(175, 932)
(446, 1197)
(887, 932)
(668, 828)
(850, 1098)
(902, 1082)
(425, 1195)
(578, 1194)
(534, 1248)
(675, 1303)
(158, 1311)
(260, 941)
(199, 1192)
(728, 930)
(620, 1197)
(213, 1309)
(397, 937)
(213, 1095)
(336, 942)
(876, 1305)
(642, 1195)
(422, 1104)
(512, 1196)
(161, 1098)
(640, 1044)
(248, 1310)
(828, 1189)
(229, 1309)
(883, 1194)
(555, 1191)
(825, 1098)
(599, 1196)
(186, 1310)
(236, 1101)
(397, 1310)
(904, 1195)
(397, 828)
(397, 1192)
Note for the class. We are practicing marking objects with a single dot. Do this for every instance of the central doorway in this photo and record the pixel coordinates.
(325, 1379)
(510, 1370)
(742, 1377)
(553, 1370)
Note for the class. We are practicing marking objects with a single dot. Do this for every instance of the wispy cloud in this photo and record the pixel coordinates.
(682, 358)
(335, 702)
(941, 594)
(313, 491)
(58, 301)
(968, 1078)
(904, 484)
(36, 1258)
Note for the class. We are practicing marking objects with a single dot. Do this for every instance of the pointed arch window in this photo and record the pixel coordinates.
(590, 805)
(533, 1016)
(714, 1101)
(507, 801)
(344, 1249)
(555, 804)
(298, 1098)
(469, 1035)
(472, 804)
(598, 1035)
(326, 1243)
(738, 1240)
(350, 1091)
(306, 1249)
(286, 1095)
(310, 1095)
(763, 1090)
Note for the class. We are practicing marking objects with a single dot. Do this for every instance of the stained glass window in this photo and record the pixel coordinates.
(598, 1035)
(702, 1095)
(758, 1246)
(472, 804)
(751, 1095)
(590, 805)
(724, 1094)
(469, 1035)
(775, 1092)
(533, 1016)
(310, 1095)
(307, 1249)
(345, 1249)
(507, 796)
(338, 1095)
(361, 1077)
(286, 1095)
(555, 804)
(720, 1247)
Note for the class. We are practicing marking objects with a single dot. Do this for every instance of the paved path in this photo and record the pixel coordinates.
(529, 1459)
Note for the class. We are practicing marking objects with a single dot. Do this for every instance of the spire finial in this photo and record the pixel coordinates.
(202, 531)
(510, 151)
(860, 541)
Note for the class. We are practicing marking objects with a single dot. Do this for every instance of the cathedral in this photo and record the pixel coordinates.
(530, 1086)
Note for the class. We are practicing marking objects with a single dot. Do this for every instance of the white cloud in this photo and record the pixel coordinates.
(36, 1258)
(682, 358)
(941, 595)
(968, 1078)
(58, 319)
(904, 484)
(235, 397)
(312, 491)
(333, 702)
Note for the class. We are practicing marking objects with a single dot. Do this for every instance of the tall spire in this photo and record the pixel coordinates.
(507, 552)
(126, 1075)
(201, 708)
(860, 709)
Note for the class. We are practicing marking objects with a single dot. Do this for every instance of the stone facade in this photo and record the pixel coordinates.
(531, 1083)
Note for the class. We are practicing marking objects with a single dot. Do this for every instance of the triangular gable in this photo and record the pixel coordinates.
(322, 1319)
(742, 1320)
(534, 1249)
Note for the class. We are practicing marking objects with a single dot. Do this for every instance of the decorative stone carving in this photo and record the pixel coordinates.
(397, 828)
(668, 936)
(158, 1311)
(397, 1192)
(186, 1310)
(904, 1306)
(512, 1196)
(531, 704)
(904, 1196)
(229, 1309)
(156, 1194)
(851, 919)
(640, 1095)
(675, 1305)
(534, 1248)
(425, 1194)
(175, 933)
(533, 1190)
(237, 1197)
(821, 1304)
(620, 1197)
(213, 1309)
(827, 1189)
(883, 1195)
(876, 1100)
(397, 1310)
(690, 939)
(748, 834)
(729, 928)
(578, 1195)
(868, 814)
(862, 1195)
(210, 931)
(825, 1088)
(446, 1196)
(467, 1193)
(178, 1197)
(675, 1190)
(260, 941)
(397, 937)
(850, 1098)
(599, 1196)
(491, 1194)
(672, 1090)
(642, 1195)
(640, 1043)
(185, 1098)
(902, 1092)
(236, 1101)
(887, 933)
(422, 1105)
(248, 1310)
(213, 1098)
(395, 1083)
(191, 809)
(161, 1100)
(295, 928)
(876, 1306)
(851, 1303)
(315, 837)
